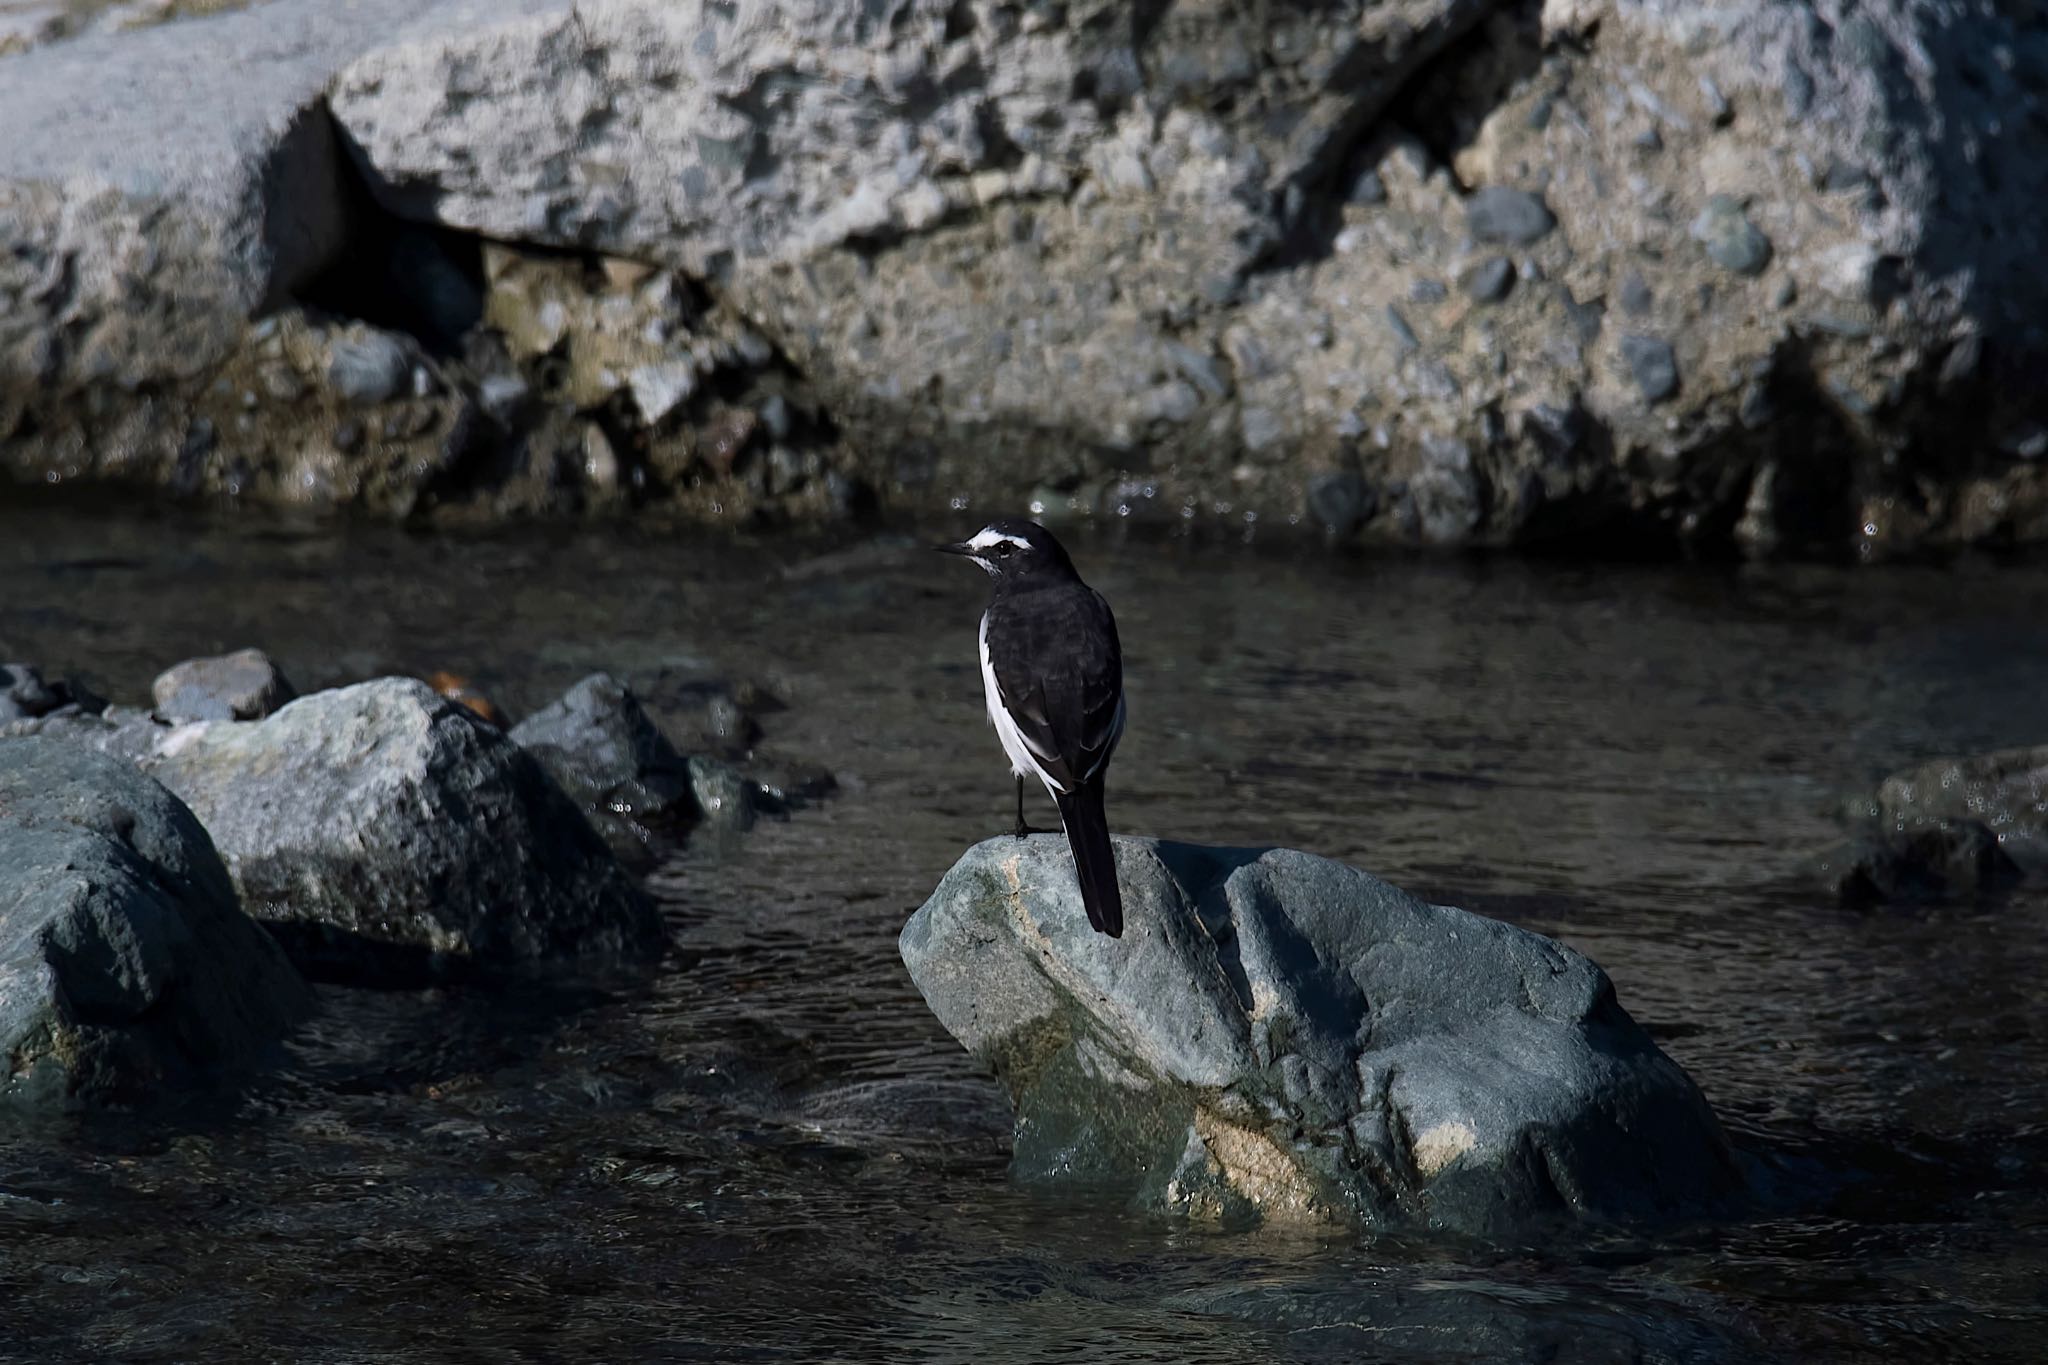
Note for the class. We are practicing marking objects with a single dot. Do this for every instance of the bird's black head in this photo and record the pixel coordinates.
(1010, 549)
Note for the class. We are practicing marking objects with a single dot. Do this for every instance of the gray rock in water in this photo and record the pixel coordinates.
(1511, 217)
(1652, 365)
(1951, 827)
(384, 832)
(127, 972)
(373, 368)
(1281, 1035)
(598, 742)
(244, 685)
(1731, 240)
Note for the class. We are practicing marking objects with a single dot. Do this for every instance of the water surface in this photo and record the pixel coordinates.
(770, 1151)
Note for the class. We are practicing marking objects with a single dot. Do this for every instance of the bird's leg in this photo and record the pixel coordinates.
(1023, 830)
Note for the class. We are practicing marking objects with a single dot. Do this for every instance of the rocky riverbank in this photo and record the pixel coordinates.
(1443, 272)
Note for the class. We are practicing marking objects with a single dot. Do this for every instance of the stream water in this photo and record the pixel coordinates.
(768, 1150)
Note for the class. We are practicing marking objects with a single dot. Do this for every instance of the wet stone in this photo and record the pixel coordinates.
(602, 747)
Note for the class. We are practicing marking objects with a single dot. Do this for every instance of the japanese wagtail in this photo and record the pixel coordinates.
(1053, 676)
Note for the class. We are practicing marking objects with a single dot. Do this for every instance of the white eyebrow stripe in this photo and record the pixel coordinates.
(988, 537)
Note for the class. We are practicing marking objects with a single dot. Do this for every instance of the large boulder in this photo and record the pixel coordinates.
(383, 831)
(1281, 1035)
(1697, 275)
(1445, 271)
(127, 971)
(146, 215)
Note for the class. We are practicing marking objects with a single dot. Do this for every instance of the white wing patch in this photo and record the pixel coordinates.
(1023, 759)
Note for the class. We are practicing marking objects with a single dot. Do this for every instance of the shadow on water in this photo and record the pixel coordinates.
(768, 1150)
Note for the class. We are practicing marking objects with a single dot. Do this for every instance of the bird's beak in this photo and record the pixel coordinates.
(958, 547)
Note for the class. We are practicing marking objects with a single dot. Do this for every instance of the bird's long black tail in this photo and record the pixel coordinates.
(1094, 860)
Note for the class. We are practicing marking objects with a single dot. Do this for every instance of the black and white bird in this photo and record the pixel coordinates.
(1053, 676)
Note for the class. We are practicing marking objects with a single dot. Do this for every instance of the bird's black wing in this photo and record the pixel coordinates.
(1060, 671)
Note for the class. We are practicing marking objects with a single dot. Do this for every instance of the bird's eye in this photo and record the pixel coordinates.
(1003, 548)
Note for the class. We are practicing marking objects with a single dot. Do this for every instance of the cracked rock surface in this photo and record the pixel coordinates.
(1763, 275)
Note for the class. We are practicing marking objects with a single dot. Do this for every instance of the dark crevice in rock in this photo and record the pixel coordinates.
(1447, 101)
(421, 279)
(1442, 103)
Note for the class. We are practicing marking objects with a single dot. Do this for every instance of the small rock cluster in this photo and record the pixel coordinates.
(382, 834)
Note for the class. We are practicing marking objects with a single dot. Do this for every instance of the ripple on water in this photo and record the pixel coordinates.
(769, 1150)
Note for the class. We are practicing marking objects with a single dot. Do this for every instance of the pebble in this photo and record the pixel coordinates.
(502, 397)
(1635, 295)
(600, 462)
(1586, 318)
(1201, 370)
(1490, 280)
(777, 418)
(1843, 175)
(1652, 365)
(1500, 214)
(1798, 90)
(1961, 361)
(1731, 240)
(1404, 335)
(659, 390)
(371, 369)
(1718, 108)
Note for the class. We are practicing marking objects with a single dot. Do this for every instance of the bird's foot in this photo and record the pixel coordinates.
(1024, 831)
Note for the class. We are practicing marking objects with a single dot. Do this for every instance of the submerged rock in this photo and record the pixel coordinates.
(1281, 1035)
(244, 685)
(382, 830)
(1951, 827)
(127, 971)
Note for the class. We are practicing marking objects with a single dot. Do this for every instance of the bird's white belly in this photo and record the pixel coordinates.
(1021, 760)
